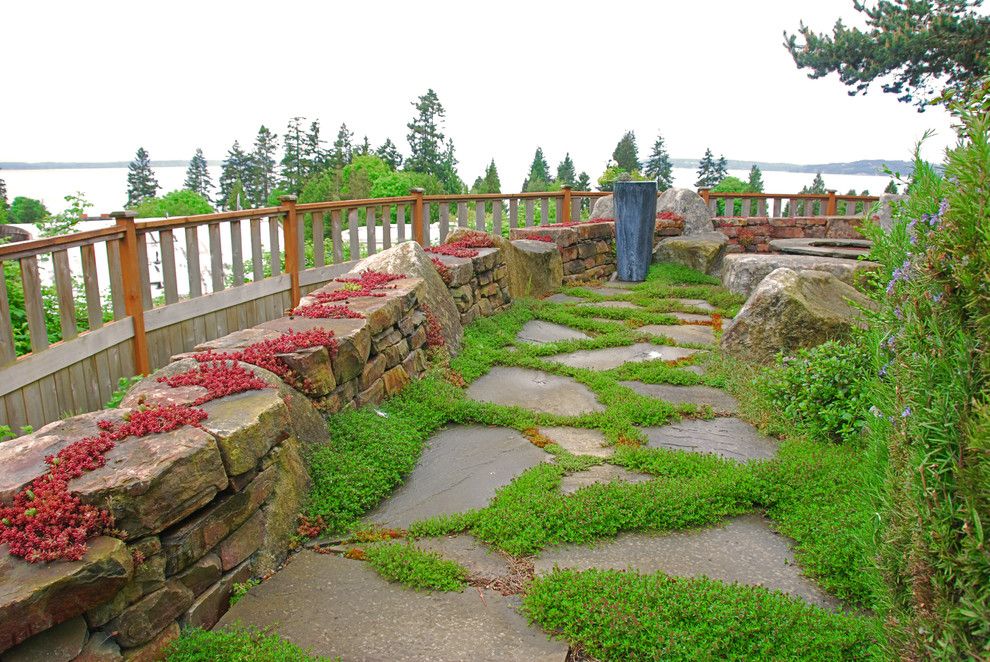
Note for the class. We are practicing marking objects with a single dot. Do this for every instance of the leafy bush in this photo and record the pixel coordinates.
(416, 568)
(237, 645)
(26, 210)
(176, 203)
(124, 385)
(821, 391)
(731, 185)
(619, 615)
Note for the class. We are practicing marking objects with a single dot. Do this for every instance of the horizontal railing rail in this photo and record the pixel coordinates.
(779, 205)
(79, 311)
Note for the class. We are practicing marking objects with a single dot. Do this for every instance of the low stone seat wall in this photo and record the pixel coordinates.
(586, 249)
(753, 234)
(479, 284)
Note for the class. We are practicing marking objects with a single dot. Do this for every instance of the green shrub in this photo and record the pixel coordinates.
(124, 385)
(175, 203)
(416, 568)
(822, 392)
(618, 615)
(236, 645)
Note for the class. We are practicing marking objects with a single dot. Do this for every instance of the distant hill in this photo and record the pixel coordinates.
(867, 167)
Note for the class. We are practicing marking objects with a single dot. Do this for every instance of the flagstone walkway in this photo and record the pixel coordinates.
(337, 606)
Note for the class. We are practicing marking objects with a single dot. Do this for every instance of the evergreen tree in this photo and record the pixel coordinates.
(313, 153)
(491, 182)
(4, 205)
(721, 169)
(343, 150)
(707, 171)
(817, 185)
(756, 179)
(891, 187)
(566, 174)
(427, 143)
(141, 182)
(198, 176)
(478, 185)
(539, 173)
(583, 182)
(237, 197)
(235, 168)
(389, 153)
(659, 167)
(626, 155)
(262, 179)
(447, 173)
(295, 166)
(365, 148)
(923, 45)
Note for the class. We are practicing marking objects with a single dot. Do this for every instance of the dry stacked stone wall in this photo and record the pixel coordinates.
(199, 508)
(478, 284)
(753, 234)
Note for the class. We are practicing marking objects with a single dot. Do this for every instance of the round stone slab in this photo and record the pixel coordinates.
(692, 333)
(539, 332)
(535, 390)
(580, 441)
(716, 398)
(613, 357)
(563, 298)
(334, 606)
(746, 551)
(728, 437)
(600, 474)
(460, 469)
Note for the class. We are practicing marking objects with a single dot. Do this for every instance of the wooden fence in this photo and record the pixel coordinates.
(779, 205)
(80, 332)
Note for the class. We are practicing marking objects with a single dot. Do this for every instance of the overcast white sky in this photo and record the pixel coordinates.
(91, 81)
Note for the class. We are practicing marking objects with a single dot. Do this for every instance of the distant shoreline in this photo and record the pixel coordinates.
(864, 167)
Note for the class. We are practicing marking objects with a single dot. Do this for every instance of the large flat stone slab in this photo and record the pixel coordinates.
(728, 437)
(746, 551)
(338, 607)
(690, 317)
(563, 298)
(700, 304)
(742, 272)
(613, 357)
(460, 469)
(540, 332)
(686, 333)
(579, 441)
(600, 474)
(535, 390)
(716, 398)
(479, 559)
(623, 305)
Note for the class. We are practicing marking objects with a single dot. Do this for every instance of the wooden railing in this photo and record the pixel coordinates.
(778, 205)
(110, 303)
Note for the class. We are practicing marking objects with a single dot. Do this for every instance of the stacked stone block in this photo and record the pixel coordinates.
(753, 234)
(586, 249)
(480, 284)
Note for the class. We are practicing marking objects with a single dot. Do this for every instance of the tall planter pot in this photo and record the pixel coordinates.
(635, 222)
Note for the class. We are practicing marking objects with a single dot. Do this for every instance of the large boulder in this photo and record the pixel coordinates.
(410, 259)
(743, 272)
(604, 208)
(535, 268)
(791, 310)
(688, 205)
(702, 252)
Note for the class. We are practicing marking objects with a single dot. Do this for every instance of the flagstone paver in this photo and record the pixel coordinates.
(563, 298)
(686, 333)
(690, 317)
(600, 473)
(338, 607)
(608, 290)
(745, 550)
(460, 469)
(538, 331)
(579, 441)
(696, 303)
(728, 437)
(535, 390)
(626, 305)
(613, 357)
(479, 559)
(716, 398)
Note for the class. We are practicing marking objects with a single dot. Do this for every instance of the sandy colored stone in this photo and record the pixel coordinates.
(535, 390)
(613, 357)
(243, 542)
(702, 251)
(579, 441)
(246, 426)
(535, 268)
(687, 204)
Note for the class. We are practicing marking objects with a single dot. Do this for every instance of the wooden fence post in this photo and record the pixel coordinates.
(290, 227)
(703, 192)
(131, 277)
(565, 211)
(417, 221)
(832, 205)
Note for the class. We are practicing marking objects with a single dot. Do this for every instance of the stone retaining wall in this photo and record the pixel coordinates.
(198, 509)
(480, 284)
(753, 234)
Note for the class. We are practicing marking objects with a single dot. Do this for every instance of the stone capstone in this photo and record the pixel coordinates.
(688, 205)
(792, 310)
(246, 426)
(702, 252)
(742, 273)
(535, 268)
(410, 259)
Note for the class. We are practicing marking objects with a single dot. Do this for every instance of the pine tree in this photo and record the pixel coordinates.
(707, 171)
(295, 168)
(389, 153)
(447, 173)
(491, 183)
(626, 155)
(313, 153)
(817, 185)
(427, 143)
(891, 187)
(659, 167)
(721, 169)
(364, 148)
(235, 168)
(343, 150)
(141, 182)
(237, 197)
(539, 173)
(583, 182)
(566, 174)
(198, 176)
(262, 179)
(756, 179)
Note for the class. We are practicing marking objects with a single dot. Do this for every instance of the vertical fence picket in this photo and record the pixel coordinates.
(427, 225)
(7, 350)
(319, 247)
(386, 216)
(257, 256)
(216, 257)
(336, 240)
(273, 248)
(400, 222)
(529, 212)
(369, 223)
(479, 215)
(192, 263)
(352, 233)
(444, 222)
(497, 218)
(33, 308)
(116, 279)
(91, 285)
(462, 215)
(63, 289)
(544, 211)
(144, 269)
(513, 213)
(236, 252)
(169, 280)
